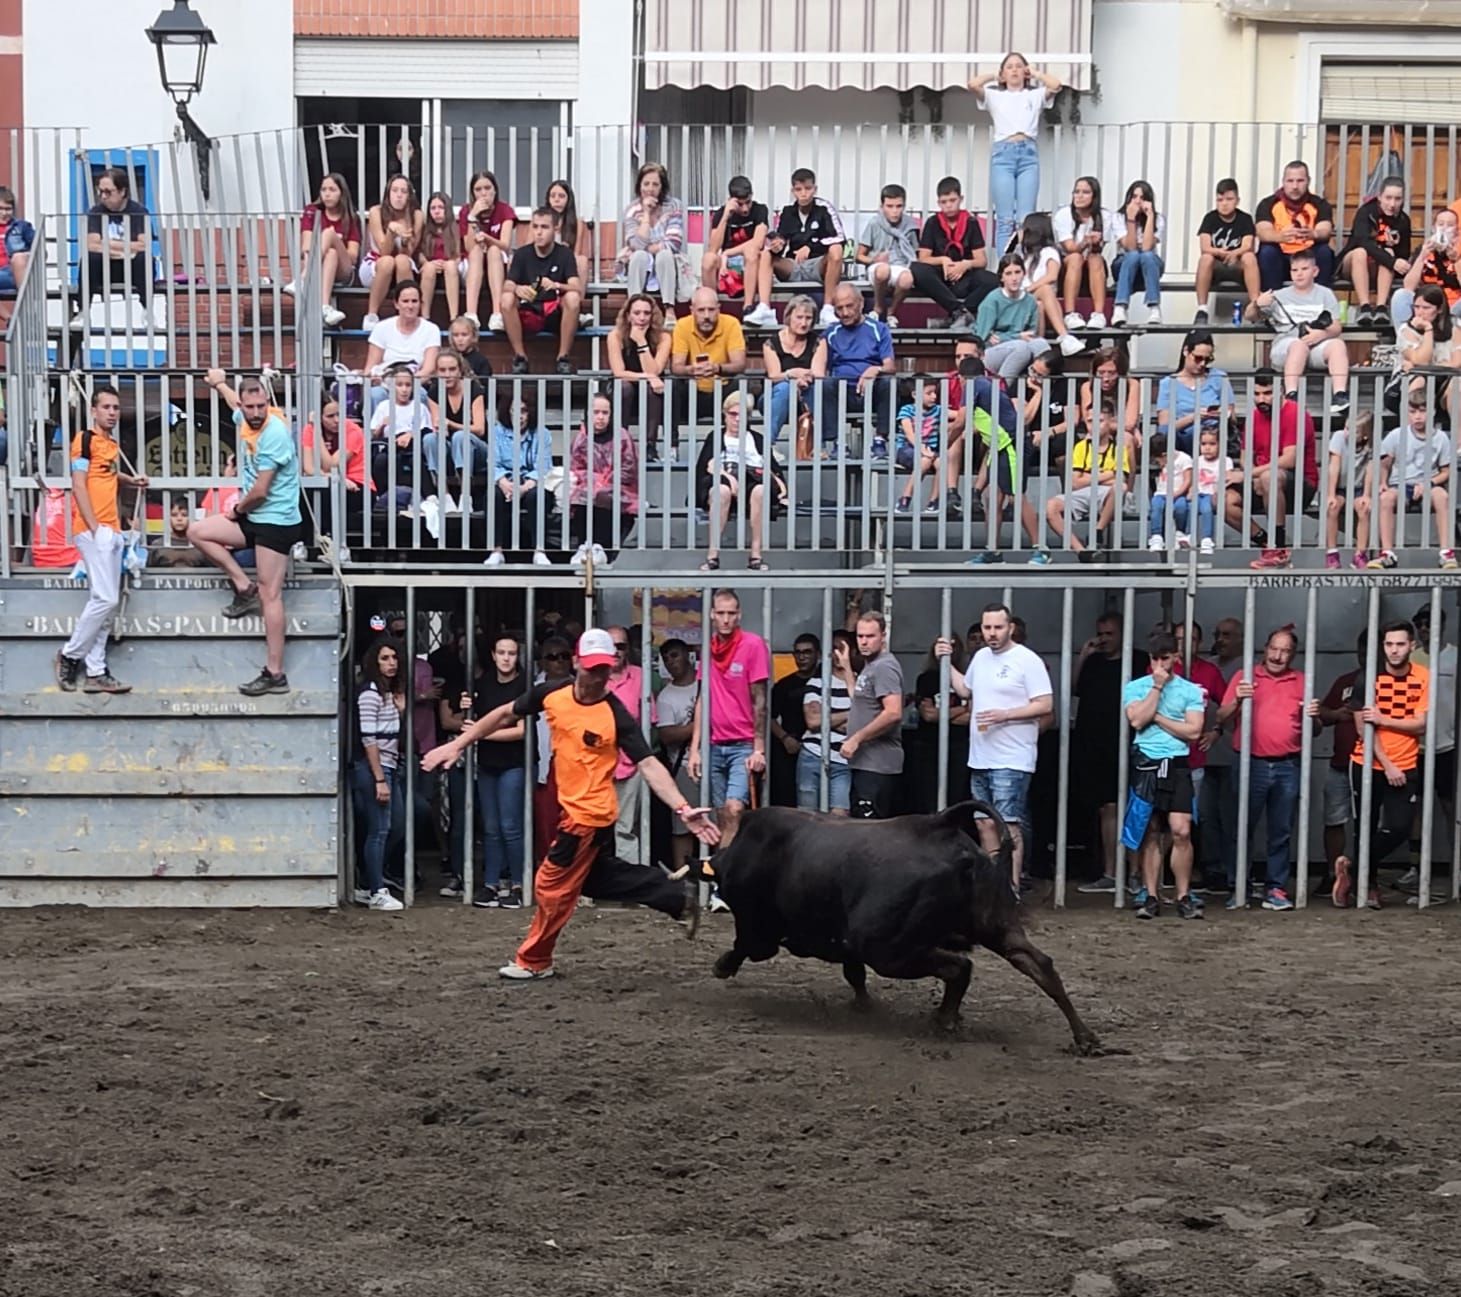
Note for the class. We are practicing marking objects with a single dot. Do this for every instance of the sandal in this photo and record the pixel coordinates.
(757, 564)
(710, 565)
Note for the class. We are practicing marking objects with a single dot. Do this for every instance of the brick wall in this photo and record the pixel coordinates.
(478, 19)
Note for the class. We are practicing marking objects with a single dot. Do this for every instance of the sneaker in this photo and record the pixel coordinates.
(106, 683)
(1184, 541)
(892, 322)
(288, 289)
(1343, 891)
(494, 559)
(1097, 320)
(1271, 558)
(1038, 558)
(880, 448)
(334, 317)
(828, 316)
(1154, 316)
(370, 321)
(1149, 908)
(932, 508)
(452, 889)
(450, 508)
(1189, 907)
(519, 364)
(760, 316)
(984, 558)
(1448, 559)
(1105, 885)
(1409, 881)
(903, 506)
(717, 904)
(1075, 320)
(1205, 546)
(1339, 404)
(68, 671)
(486, 898)
(961, 320)
(1199, 317)
(1118, 317)
(360, 896)
(540, 559)
(245, 604)
(1155, 544)
(1361, 558)
(510, 898)
(1384, 559)
(475, 319)
(266, 682)
(383, 900)
(563, 365)
(515, 972)
(1070, 345)
(1331, 560)
(1139, 897)
(495, 323)
(1277, 899)
(1235, 902)
(1372, 901)
(601, 559)
(580, 556)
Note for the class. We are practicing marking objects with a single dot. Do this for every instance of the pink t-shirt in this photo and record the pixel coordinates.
(1210, 680)
(1278, 712)
(732, 714)
(627, 689)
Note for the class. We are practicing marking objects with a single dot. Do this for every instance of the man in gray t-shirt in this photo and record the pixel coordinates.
(874, 743)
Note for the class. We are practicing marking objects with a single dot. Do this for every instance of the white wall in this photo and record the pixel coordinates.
(605, 105)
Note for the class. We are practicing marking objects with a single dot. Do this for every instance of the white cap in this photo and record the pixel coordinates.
(596, 648)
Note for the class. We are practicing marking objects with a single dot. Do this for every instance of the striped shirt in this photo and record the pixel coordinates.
(380, 724)
(841, 705)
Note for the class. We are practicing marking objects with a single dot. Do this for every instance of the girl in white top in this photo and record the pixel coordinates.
(1080, 230)
(1139, 232)
(1426, 339)
(1014, 97)
(1211, 468)
(1036, 247)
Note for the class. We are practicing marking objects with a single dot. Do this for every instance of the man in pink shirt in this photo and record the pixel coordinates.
(1279, 709)
(626, 683)
(1206, 676)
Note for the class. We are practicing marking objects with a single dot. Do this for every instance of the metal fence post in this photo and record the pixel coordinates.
(1306, 747)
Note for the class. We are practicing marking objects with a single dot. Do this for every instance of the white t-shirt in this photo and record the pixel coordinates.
(1066, 228)
(676, 706)
(998, 682)
(1178, 462)
(733, 451)
(399, 348)
(1046, 258)
(1212, 473)
(1116, 231)
(1015, 112)
(390, 419)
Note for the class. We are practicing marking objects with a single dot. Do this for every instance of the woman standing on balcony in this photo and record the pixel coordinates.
(653, 230)
(396, 224)
(334, 212)
(1014, 97)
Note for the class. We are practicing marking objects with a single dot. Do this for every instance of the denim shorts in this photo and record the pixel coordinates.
(809, 783)
(729, 779)
(1008, 791)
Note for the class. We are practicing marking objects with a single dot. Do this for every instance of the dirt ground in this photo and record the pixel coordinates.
(303, 1105)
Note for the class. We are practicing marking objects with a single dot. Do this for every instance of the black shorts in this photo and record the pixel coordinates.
(1445, 784)
(278, 537)
(1173, 791)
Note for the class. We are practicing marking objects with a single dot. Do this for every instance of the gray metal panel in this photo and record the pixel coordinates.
(185, 893)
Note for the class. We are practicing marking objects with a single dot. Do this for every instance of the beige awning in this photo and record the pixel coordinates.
(836, 45)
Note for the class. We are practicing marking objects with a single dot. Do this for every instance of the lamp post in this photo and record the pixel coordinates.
(182, 39)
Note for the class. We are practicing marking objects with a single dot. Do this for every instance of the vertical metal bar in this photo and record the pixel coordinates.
(1062, 804)
(1245, 754)
(530, 751)
(704, 673)
(945, 697)
(1306, 744)
(467, 810)
(1123, 755)
(646, 707)
(1428, 782)
(824, 722)
(1367, 783)
(408, 746)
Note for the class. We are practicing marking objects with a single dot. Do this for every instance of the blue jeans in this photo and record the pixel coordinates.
(1145, 267)
(881, 397)
(1181, 512)
(380, 828)
(470, 453)
(1008, 791)
(1273, 265)
(4, 446)
(500, 803)
(1273, 788)
(730, 781)
(7, 280)
(1014, 188)
(780, 407)
(809, 783)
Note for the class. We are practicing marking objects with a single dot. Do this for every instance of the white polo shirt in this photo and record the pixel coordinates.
(1000, 682)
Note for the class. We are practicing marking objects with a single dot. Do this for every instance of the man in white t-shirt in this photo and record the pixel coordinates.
(1008, 688)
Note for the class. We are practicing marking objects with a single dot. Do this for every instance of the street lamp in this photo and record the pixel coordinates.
(182, 39)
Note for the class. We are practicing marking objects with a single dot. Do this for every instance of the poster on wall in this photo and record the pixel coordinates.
(673, 614)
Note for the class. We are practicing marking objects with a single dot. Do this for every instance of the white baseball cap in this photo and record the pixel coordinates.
(596, 648)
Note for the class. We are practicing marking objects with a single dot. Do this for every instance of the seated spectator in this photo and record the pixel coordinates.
(173, 548)
(118, 242)
(994, 422)
(1173, 482)
(1437, 263)
(603, 485)
(485, 227)
(706, 345)
(52, 543)
(1415, 467)
(464, 338)
(574, 234)
(653, 255)
(441, 255)
(1293, 220)
(920, 441)
(1047, 415)
(17, 237)
(394, 428)
(334, 212)
(1109, 369)
(1212, 467)
(1227, 242)
(853, 364)
(1273, 481)
(1139, 233)
(1348, 483)
(1379, 245)
(1080, 235)
(395, 226)
(735, 263)
(1036, 248)
(1008, 322)
(1092, 486)
(952, 266)
(458, 416)
(1197, 394)
(787, 356)
(346, 453)
(889, 250)
(806, 247)
(543, 286)
(639, 353)
(675, 705)
(1425, 340)
(718, 481)
(847, 664)
(1305, 317)
(405, 340)
(522, 458)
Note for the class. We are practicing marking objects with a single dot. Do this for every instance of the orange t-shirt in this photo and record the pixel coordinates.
(100, 462)
(49, 546)
(1401, 698)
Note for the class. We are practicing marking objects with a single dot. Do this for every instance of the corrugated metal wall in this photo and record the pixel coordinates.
(462, 69)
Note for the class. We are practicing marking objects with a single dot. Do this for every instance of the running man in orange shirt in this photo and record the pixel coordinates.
(589, 727)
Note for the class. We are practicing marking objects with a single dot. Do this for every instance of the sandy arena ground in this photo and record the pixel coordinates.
(303, 1105)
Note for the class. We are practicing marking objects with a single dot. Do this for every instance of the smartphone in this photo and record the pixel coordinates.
(703, 358)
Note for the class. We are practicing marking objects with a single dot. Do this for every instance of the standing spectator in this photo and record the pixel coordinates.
(787, 355)
(543, 284)
(873, 747)
(1294, 220)
(1014, 97)
(639, 354)
(932, 702)
(736, 672)
(1347, 482)
(1218, 797)
(380, 784)
(854, 363)
(1379, 244)
(1415, 464)
(807, 244)
(626, 683)
(952, 266)
(1008, 690)
(1438, 263)
(705, 345)
(442, 255)
(788, 718)
(735, 263)
(17, 237)
(847, 665)
(572, 233)
(1139, 232)
(1080, 232)
(1305, 317)
(603, 484)
(500, 778)
(1444, 753)
(1274, 481)
(522, 458)
(265, 519)
(653, 254)
(1209, 679)
(486, 225)
(889, 249)
(96, 473)
(1197, 395)
(1279, 710)
(1339, 708)
(993, 419)
(1227, 241)
(395, 225)
(675, 706)
(118, 241)
(1166, 715)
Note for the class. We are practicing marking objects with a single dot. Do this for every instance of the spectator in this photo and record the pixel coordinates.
(485, 227)
(1040, 254)
(1272, 482)
(395, 225)
(451, 688)
(265, 519)
(1109, 369)
(51, 543)
(1444, 753)
(1305, 316)
(1294, 220)
(118, 241)
(705, 345)
(1008, 690)
(1212, 468)
(788, 722)
(1080, 233)
(1218, 813)
(807, 244)
(405, 339)
(17, 237)
(952, 266)
(853, 363)
(653, 255)
(1340, 708)
(1166, 714)
(992, 416)
(464, 338)
(1047, 414)
(1423, 472)
(459, 416)
(1093, 489)
(1139, 232)
(1197, 395)
(603, 485)
(742, 456)
(639, 354)
(96, 530)
(735, 263)
(345, 454)
(847, 665)
(555, 662)
(380, 785)
(220, 499)
(1438, 263)
(395, 427)
(873, 746)
(572, 233)
(889, 249)
(626, 683)
(1401, 698)
(542, 285)
(1227, 241)
(931, 702)
(1014, 98)
(737, 667)
(442, 254)
(500, 778)
(675, 706)
(787, 355)
(521, 461)
(1173, 481)
(1379, 243)
(1209, 679)
(1008, 322)
(1425, 340)
(920, 442)
(1348, 482)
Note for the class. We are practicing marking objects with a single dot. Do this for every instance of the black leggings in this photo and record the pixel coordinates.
(603, 526)
(1391, 811)
(97, 270)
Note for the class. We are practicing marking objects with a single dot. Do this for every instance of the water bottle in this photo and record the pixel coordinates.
(1237, 314)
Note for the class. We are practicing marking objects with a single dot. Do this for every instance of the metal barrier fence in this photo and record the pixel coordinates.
(35, 165)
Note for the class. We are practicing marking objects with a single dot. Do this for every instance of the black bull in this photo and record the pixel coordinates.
(905, 897)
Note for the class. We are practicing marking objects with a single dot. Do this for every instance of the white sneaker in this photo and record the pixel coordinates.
(1118, 317)
(361, 896)
(1075, 320)
(334, 317)
(585, 319)
(540, 559)
(1204, 546)
(288, 289)
(451, 509)
(1155, 544)
(431, 517)
(515, 972)
(1154, 316)
(383, 900)
(370, 321)
(1184, 541)
(1070, 345)
(494, 322)
(828, 316)
(760, 316)
(472, 315)
(1097, 320)
(717, 906)
(580, 556)
(601, 559)
(892, 322)
(495, 559)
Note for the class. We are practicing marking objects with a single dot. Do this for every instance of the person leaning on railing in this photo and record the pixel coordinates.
(599, 489)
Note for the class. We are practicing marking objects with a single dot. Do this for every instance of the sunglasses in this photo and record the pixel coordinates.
(555, 657)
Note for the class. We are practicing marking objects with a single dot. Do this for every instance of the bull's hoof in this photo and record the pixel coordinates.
(948, 1023)
(862, 1003)
(728, 965)
(1090, 1046)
